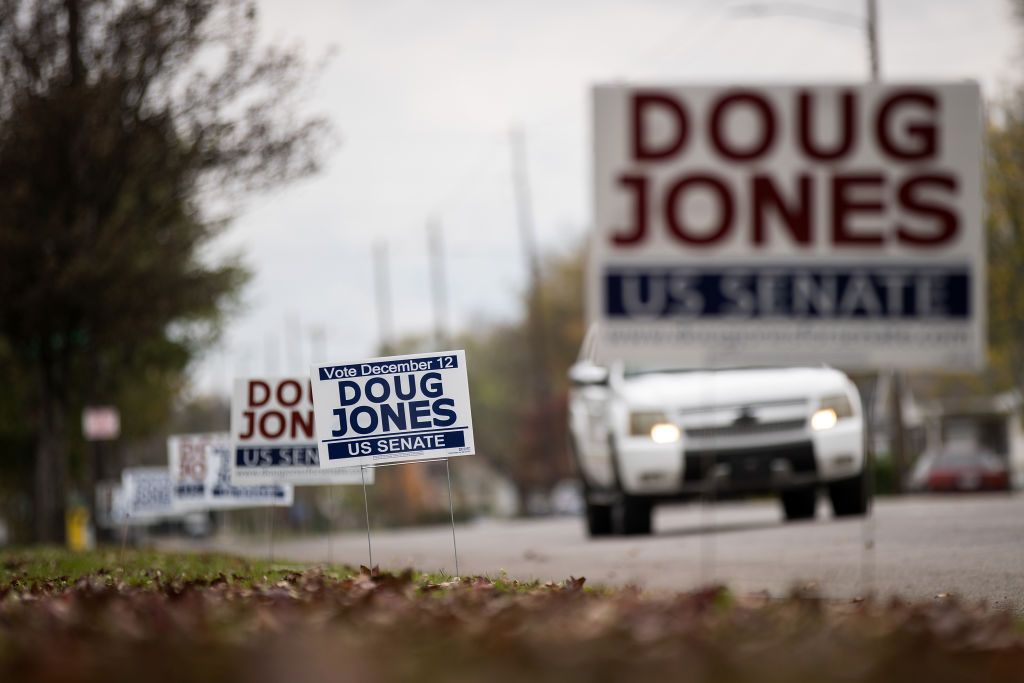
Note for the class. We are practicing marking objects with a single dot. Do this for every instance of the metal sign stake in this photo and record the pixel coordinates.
(451, 510)
(366, 506)
(124, 541)
(270, 516)
(330, 525)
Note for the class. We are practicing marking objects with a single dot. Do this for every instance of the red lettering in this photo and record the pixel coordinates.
(255, 384)
(272, 433)
(946, 220)
(636, 233)
(796, 215)
(250, 421)
(767, 127)
(921, 136)
(302, 424)
(843, 206)
(806, 127)
(643, 105)
(683, 232)
(297, 391)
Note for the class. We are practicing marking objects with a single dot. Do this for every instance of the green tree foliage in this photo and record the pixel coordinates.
(121, 124)
(1006, 240)
(508, 423)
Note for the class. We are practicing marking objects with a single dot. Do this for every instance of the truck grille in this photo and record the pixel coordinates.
(744, 429)
(749, 465)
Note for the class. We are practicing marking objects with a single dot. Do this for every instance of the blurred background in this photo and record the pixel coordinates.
(198, 190)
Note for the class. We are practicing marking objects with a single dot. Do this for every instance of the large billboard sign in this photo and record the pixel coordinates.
(789, 224)
(393, 409)
(272, 435)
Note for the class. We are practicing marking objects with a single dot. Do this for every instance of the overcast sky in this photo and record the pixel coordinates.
(423, 94)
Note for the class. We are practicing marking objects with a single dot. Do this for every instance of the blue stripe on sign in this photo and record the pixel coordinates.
(390, 367)
(277, 456)
(397, 443)
(910, 292)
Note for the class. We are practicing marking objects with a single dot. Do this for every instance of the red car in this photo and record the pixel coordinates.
(963, 471)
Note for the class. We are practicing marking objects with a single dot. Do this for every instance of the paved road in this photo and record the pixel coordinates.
(972, 546)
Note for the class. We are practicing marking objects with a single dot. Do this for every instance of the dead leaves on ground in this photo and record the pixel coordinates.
(379, 626)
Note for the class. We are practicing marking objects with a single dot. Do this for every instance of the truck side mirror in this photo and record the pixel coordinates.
(588, 374)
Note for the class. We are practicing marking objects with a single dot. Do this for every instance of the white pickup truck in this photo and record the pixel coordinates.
(643, 436)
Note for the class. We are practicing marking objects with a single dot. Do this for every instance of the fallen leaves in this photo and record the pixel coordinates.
(312, 625)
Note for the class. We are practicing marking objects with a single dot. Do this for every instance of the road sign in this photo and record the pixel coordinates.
(200, 472)
(146, 495)
(101, 423)
(189, 466)
(392, 409)
(789, 224)
(223, 494)
(273, 440)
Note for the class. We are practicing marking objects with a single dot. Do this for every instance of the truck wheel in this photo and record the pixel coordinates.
(799, 503)
(849, 496)
(599, 520)
(636, 517)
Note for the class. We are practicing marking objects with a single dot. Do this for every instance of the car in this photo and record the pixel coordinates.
(960, 468)
(642, 436)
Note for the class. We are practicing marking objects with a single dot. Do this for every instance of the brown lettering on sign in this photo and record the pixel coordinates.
(946, 221)
(643, 105)
(920, 136)
(807, 123)
(636, 232)
(844, 206)
(795, 214)
(258, 387)
(289, 387)
(272, 432)
(765, 114)
(302, 424)
(678, 227)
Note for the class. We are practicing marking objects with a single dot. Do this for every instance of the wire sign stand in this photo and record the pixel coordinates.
(451, 505)
(394, 410)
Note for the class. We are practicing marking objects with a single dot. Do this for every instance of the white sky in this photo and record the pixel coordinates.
(423, 93)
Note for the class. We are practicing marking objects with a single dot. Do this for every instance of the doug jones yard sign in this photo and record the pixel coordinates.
(393, 409)
(836, 223)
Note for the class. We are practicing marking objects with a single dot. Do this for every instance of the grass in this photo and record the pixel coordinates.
(58, 568)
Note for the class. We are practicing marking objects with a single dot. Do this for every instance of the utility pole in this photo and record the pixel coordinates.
(293, 343)
(438, 282)
(897, 382)
(382, 289)
(871, 28)
(536, 322)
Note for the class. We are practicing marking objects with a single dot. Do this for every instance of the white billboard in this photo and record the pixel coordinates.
(393, 409)
(789, 224)
(272, 435)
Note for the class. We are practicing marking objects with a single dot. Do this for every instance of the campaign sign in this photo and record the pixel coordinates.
(188, 463)
(223, 494)
(272, 435)
(789, 224)
(146, 493)
(392, 409)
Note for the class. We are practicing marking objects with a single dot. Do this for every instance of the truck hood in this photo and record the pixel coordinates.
(702, 388)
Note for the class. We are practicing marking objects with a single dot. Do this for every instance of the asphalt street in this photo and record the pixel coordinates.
(925, 546)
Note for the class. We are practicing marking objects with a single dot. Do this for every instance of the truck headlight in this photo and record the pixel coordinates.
(665, 432)
(830, 410)
(654, 424)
